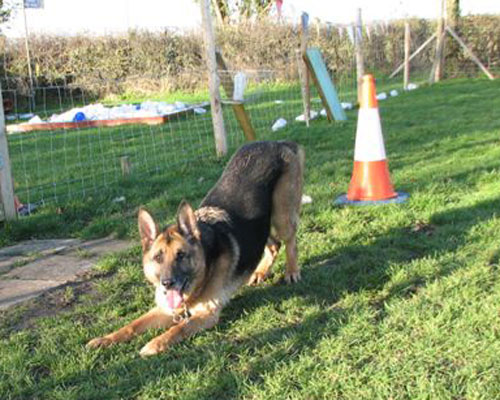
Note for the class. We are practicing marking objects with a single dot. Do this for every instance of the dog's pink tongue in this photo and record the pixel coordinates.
(174, 299)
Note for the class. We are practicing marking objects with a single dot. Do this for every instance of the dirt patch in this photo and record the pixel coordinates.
(61, 299)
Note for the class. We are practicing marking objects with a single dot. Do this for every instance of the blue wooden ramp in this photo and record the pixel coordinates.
(317, 67)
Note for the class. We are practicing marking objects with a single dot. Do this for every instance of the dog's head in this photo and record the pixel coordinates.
(173, 259)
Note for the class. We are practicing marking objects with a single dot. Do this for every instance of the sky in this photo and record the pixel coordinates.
(111, 16)
(338, 11)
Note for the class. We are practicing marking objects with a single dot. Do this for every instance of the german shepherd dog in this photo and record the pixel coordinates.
(197, 263)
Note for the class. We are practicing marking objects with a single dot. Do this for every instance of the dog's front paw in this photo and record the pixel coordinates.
(152, 348)
(257, 278)
(292, 277)
(104, 341)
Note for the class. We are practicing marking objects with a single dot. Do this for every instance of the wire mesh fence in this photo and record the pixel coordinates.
(67, 143)
(60, 152)
(55, 162)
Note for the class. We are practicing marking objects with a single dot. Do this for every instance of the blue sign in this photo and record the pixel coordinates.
(33, 3)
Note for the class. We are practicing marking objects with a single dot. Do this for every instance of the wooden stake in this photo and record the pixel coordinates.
(125, 165)
(406, 78)
(238, 108)
(358, 43)
(470, 53)
(438, 65)
(6, 183)
(213, 80)
(28, 57)
(415, 53)
(218, 13)
(304, 72)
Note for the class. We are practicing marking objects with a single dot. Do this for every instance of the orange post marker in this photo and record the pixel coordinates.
(370, 180)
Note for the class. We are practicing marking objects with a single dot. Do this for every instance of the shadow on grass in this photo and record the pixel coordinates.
(352, 269)
(358, 267)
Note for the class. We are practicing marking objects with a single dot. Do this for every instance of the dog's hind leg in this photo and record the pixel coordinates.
(287, 198)
(263, 269)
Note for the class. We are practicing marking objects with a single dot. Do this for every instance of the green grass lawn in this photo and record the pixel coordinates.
(396, 302)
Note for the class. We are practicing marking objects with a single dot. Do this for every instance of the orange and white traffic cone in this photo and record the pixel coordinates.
(370, 182)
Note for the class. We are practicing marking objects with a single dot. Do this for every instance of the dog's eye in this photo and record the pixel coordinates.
(180, 256)
(158, 257)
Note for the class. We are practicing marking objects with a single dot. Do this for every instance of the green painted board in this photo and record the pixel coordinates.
(327, 91)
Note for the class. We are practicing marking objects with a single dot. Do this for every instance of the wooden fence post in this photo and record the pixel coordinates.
(213, 80)
(125, 165)
(438, 65)
(304, 72)
(406, 78)
(358, 43)
(6, 183)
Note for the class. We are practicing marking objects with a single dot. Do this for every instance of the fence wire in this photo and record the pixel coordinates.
(58, 164)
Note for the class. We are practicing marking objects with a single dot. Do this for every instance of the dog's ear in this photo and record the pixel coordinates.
(147, 229)
(186, 221)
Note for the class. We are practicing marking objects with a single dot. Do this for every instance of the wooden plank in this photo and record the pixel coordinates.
(239, 108)
(213, 80)
(227, 84)
(244, 121)
(325, 86)
(470, 53)
(6, 182)
(52, 126)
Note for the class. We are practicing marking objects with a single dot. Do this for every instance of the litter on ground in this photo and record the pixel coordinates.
(280, 123)
(306, 199)
(313, 114)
